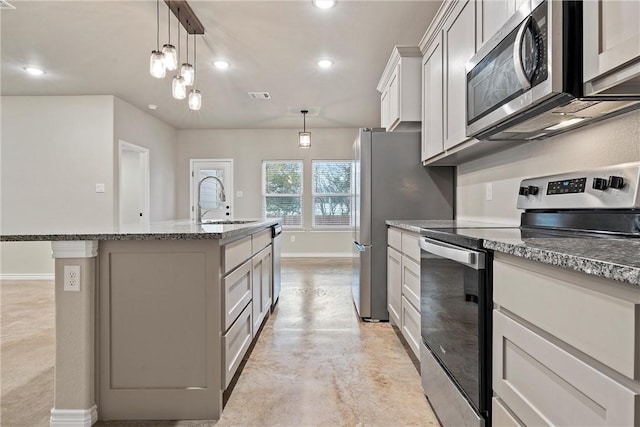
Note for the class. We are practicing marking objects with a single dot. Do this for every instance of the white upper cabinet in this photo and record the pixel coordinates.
(611, 39)
(491, 15)
(400, 90)
(459, 46)
(432, 142)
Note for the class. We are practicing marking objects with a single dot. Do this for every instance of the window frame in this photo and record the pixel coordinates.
(314, 194)
(287, 227)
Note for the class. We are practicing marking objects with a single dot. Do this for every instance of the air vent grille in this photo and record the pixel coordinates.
(6, 5)
(259, 95)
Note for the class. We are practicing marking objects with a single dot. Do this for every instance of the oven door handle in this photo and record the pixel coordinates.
(469, 258)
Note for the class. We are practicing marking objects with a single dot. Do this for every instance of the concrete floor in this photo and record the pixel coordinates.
(314, 363)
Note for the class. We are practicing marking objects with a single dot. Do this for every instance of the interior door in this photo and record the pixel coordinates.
(133, 191)
(212, 188)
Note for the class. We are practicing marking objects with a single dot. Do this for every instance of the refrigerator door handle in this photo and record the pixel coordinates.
(359, 246)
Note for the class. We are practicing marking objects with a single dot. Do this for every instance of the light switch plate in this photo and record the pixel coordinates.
(239, 194)
(99, 188)
(489, 191)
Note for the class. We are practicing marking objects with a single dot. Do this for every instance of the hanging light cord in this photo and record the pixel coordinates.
(158, 25)
(194, 60)
(304, 121)
(187, 41)
(178, 36)
(169, 22)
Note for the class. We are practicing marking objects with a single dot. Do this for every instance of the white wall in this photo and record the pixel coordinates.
(138, 127)
(54, 150)
(248, 148)
(613, 141)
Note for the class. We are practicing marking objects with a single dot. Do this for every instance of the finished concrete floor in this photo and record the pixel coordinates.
(314, 363)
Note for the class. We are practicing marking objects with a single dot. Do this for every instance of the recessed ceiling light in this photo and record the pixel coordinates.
(222, 65)
(34, 71)
(324, 4)
(152, 107)
(325, 63)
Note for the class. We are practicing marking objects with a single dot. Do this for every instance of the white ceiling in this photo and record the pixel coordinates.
(103, 47)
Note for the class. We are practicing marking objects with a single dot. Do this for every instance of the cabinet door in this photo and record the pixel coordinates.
(491, 16)
(459, 44)
(432, 117)
(611, 36)
(545, 385)
(384, 109)
(266, 281)
(411, 326)
(394, 98)
(394, 285)
(257, 293)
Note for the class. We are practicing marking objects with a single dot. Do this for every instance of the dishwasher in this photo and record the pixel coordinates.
(276, 236)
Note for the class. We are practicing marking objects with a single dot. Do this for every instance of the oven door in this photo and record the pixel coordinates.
(500, 77)
(456, 303)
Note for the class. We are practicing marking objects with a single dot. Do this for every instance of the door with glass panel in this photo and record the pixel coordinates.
(211, 189)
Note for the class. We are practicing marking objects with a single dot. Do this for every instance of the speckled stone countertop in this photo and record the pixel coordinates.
(611, 258)
(166, 230)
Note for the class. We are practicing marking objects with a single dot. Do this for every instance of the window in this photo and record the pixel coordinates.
(282, 191)
(333, 193)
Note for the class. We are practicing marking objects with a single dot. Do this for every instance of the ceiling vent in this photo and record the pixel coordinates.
(257, 95)
(6, 5)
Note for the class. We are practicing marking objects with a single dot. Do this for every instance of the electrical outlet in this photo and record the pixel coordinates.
(72, 278)
(293, 238)
(489, 191)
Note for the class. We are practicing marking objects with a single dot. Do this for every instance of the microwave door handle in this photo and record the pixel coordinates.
(517, 55)
(471, 259)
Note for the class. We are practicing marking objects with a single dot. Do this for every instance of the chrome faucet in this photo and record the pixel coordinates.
(223, 196)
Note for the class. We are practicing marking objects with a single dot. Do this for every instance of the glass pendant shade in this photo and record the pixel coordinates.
(170, 57)
(178, 88)
(304, 139)
(156, 65)
(188, 74)
(195, 100)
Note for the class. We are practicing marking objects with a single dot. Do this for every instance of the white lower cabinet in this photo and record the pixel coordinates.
(235, 344)
(236, 293)
(261, 283)
(566, 347)
(411, 326)
(394, 285)
(403, 285)
(545, 385)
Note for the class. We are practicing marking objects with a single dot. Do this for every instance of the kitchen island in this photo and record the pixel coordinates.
(152, 322)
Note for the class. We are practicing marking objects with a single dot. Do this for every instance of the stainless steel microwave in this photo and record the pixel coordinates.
(526, 82)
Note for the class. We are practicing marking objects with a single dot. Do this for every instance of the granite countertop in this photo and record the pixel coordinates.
(611, 258)
(165, 230)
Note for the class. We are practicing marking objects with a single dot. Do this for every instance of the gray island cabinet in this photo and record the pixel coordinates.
(159, 318)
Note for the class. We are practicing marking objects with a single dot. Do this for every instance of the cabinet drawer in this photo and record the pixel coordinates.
(260, 240)
(394, 285)
(411, 326)
(544, 385)
(501, 417)
(410, 246)
(411, 281)
(596, 317)
(235, 253)
(235, 344)
(236, 293)
(394, 238)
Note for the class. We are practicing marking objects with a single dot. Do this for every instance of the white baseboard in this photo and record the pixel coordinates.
(316, 255)
(73, 417)
(37, 276)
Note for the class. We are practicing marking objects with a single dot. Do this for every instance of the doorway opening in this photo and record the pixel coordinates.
(211, 188)
(133, 184)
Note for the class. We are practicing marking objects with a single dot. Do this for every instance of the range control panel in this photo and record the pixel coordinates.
(611, 187)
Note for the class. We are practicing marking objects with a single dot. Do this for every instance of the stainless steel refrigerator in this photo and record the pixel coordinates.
(390, 183)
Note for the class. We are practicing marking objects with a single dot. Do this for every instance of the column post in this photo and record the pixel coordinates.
(75, 397)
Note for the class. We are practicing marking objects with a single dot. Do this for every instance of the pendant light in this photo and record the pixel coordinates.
(304, 137)
(156, 62)
(169, 50)
(178, 88)
(186, 70)
(195, 97)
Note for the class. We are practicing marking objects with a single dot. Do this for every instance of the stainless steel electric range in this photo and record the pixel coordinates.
(456, 277)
